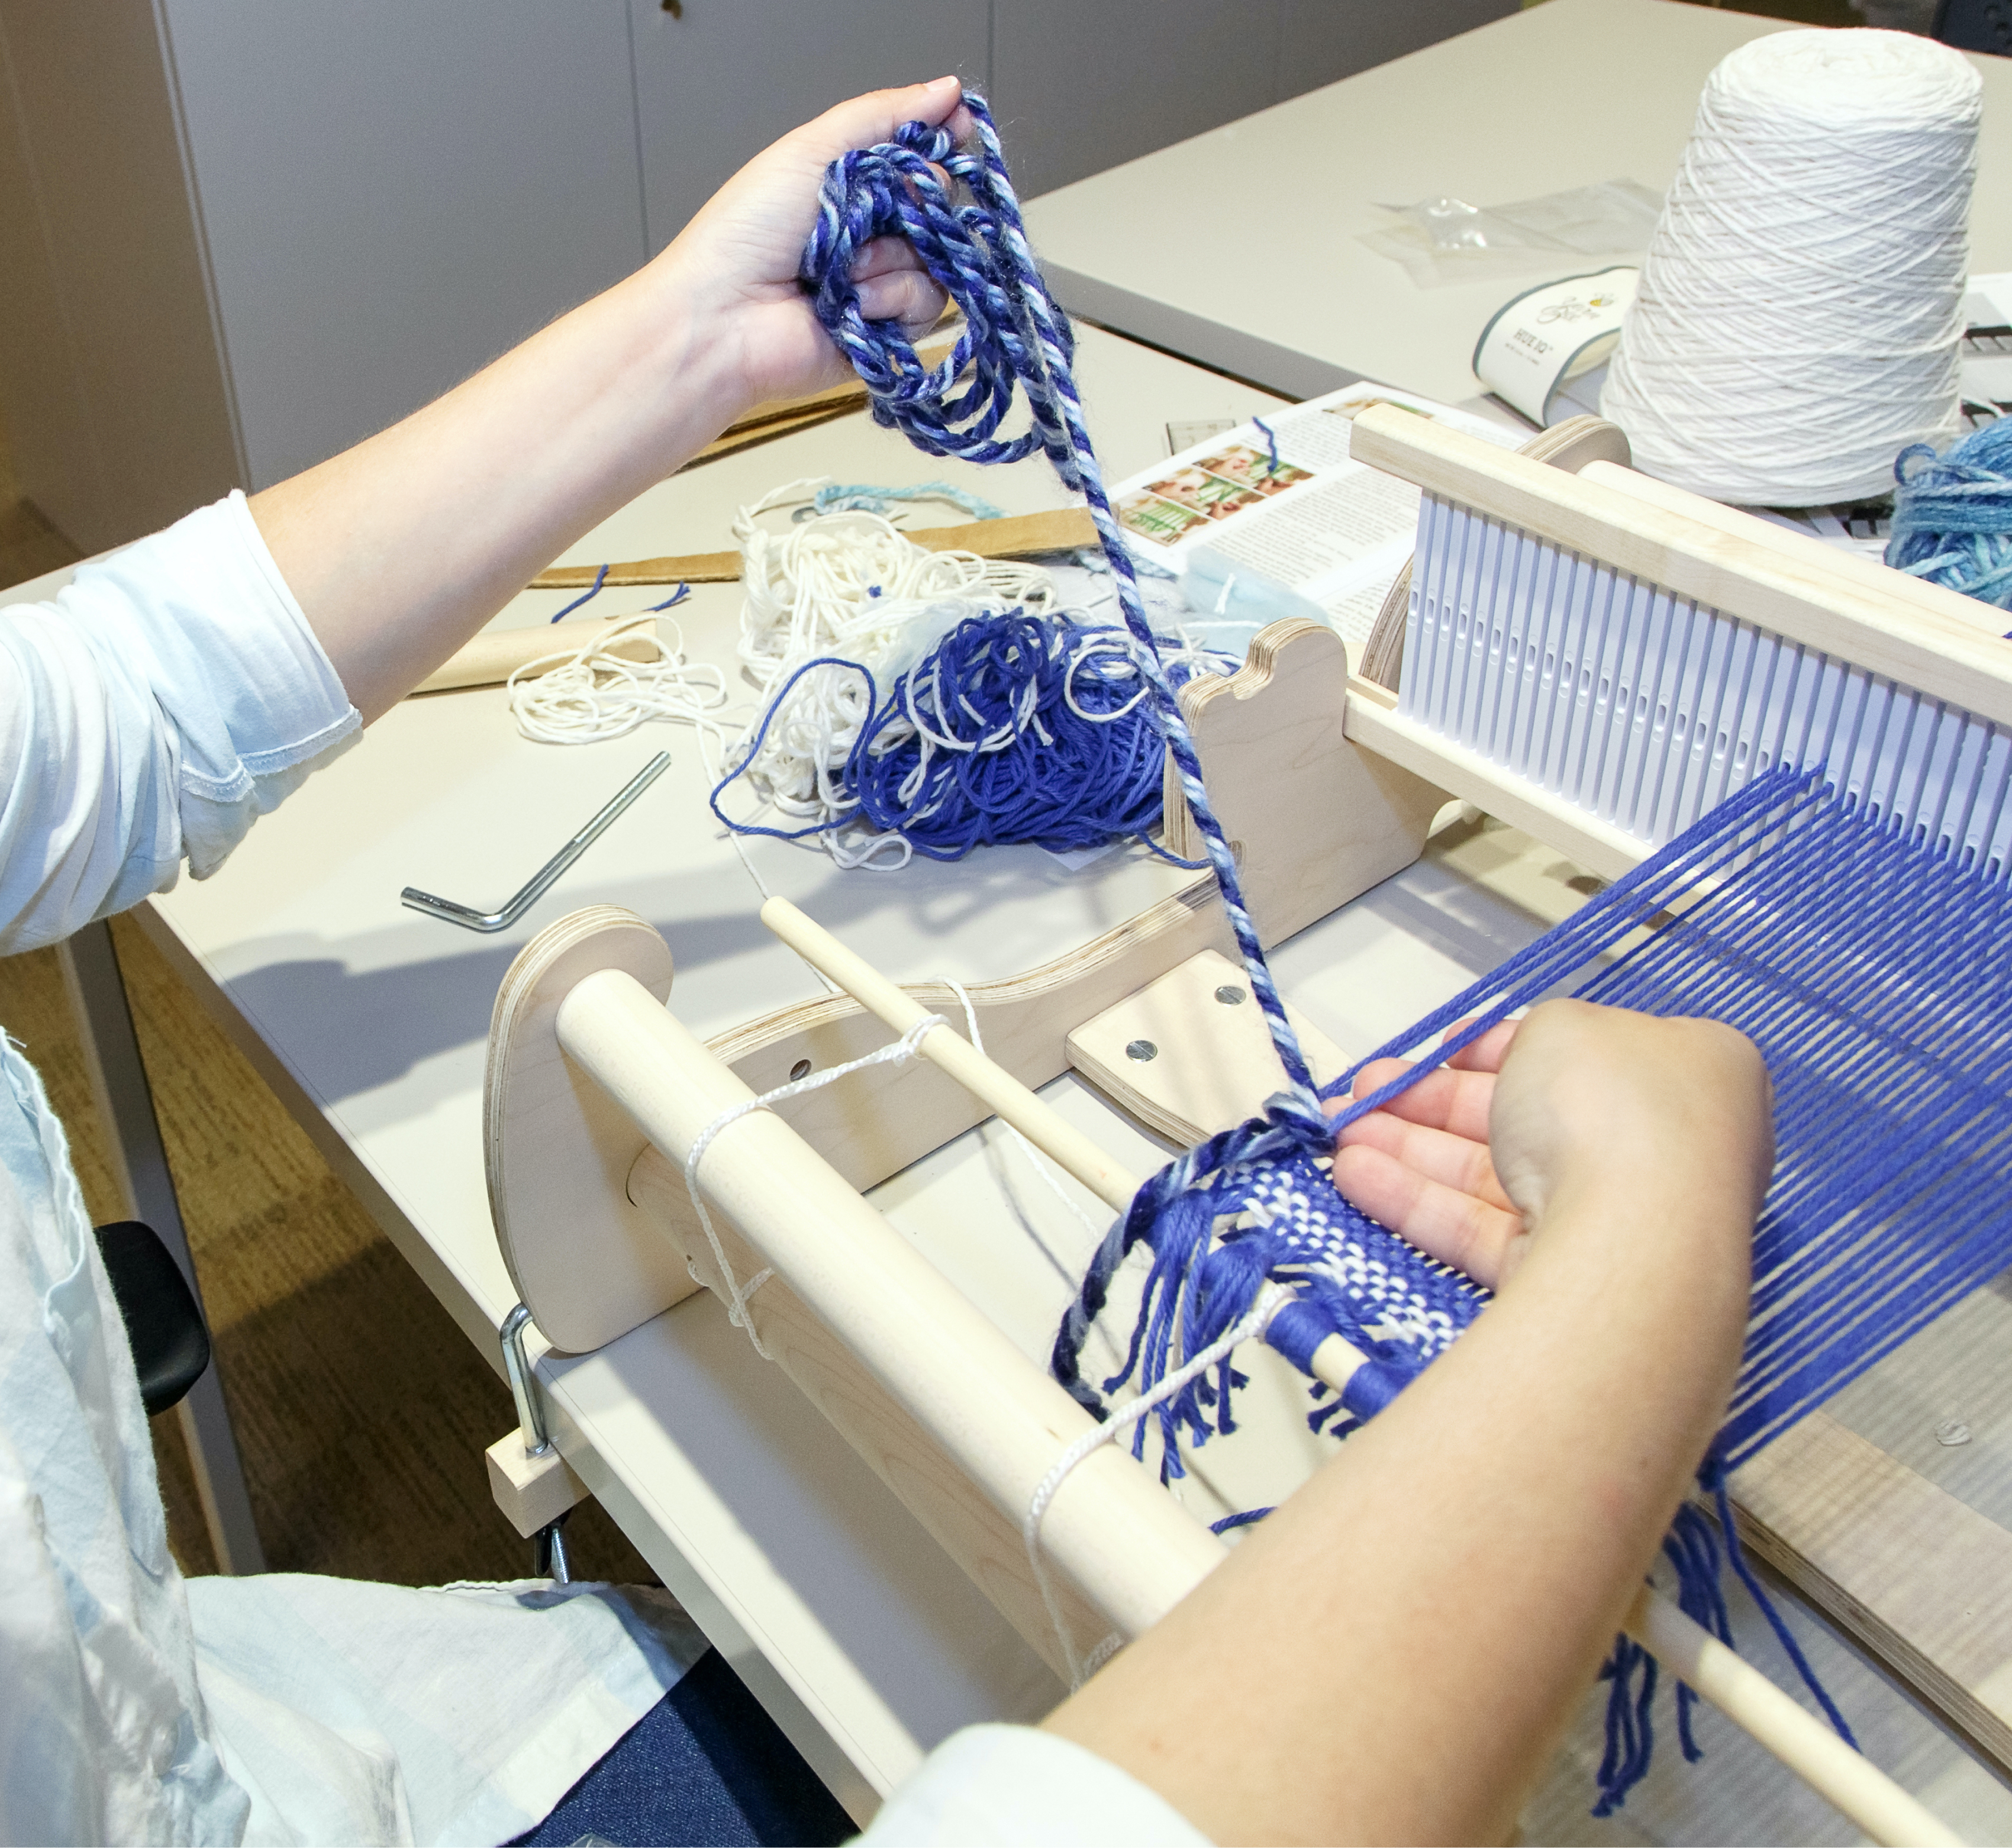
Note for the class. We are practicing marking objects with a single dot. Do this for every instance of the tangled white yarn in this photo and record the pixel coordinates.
(848, 585)
(1800, 312)
(592, 694)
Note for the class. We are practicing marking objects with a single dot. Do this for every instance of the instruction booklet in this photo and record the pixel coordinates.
(1279, 496)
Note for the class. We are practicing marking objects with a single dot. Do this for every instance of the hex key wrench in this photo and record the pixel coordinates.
(541, 880)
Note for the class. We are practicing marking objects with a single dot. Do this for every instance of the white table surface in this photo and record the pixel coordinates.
(1238, 249)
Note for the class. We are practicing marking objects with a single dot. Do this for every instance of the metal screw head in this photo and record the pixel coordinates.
(799, 1071)
(1142, 1050)
(1229, 994)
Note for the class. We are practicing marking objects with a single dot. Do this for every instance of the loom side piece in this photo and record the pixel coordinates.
(1132, 1550)
(1315, 820)
(1920, 1577)
(1212, 1063)
(557, 1150)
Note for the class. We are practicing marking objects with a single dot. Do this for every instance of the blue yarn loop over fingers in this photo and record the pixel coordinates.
(1952, 513)
(966, 227)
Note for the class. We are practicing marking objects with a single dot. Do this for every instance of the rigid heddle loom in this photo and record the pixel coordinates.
(1792, 762)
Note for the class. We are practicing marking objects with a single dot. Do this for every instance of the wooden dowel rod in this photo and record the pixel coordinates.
(1806, 1744)
(491, 658)
(1131, 1549)
(1858, 1788)
(1017, 536)
(1015, 1104)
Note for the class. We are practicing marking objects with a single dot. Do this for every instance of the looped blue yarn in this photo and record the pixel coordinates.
(1016, 343)
(1013, 728)
(1952, 514)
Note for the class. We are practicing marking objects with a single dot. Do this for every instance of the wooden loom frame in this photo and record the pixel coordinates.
(590, 1078)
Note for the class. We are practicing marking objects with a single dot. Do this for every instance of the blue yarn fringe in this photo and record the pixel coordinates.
(1952, 513)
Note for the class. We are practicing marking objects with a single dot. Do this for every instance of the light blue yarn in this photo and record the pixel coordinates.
(863, 496)
(1952, 514)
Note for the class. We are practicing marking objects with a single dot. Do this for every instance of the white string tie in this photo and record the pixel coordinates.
(1274, 1298)
(591, 694)
(893, 1053)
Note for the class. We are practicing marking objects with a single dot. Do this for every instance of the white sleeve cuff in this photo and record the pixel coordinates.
(252, 702)
(1013, 1785)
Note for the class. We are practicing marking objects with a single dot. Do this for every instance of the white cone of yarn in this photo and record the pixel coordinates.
(1801, 307)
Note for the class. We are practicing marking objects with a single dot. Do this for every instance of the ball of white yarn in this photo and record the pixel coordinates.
(1801, 307)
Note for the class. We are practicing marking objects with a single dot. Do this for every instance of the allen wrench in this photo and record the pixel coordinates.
(542, 880)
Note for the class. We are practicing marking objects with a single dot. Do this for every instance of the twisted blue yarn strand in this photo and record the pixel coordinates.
(1952, 514)
(1015, 342)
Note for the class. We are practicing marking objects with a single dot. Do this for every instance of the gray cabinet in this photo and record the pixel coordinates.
(719, 81)
(237, 236)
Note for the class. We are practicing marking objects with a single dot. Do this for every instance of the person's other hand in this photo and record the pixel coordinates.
(1577, 1099)
(1421, 1165)
(737, 259)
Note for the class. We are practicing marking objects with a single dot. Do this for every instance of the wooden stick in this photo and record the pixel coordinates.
(1017, 536)
(492, 657)
(1072, 1150)
(1804, 1743)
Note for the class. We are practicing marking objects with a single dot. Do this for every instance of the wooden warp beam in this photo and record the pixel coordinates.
(1017, 536)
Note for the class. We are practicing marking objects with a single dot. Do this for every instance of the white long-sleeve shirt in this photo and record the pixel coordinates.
(166, 699)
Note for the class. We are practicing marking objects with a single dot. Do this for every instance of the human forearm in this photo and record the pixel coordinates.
(399, 549)
(1392, 1655)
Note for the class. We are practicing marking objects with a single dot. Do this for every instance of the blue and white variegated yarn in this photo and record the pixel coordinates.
(1248, 1207)
(1016, 343)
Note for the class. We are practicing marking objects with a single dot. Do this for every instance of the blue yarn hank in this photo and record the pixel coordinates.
(1952, 513)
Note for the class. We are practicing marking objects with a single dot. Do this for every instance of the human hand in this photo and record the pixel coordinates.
(1577, 1099)
(736, 261)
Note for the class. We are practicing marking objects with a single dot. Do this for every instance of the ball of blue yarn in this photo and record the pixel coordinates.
(979, 744)
(1952, 514)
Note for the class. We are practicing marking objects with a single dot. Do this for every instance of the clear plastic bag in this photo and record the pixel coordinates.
(1446, 239)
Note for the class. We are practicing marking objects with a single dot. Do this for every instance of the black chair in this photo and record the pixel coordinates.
(164, 1325)
(1975, 25)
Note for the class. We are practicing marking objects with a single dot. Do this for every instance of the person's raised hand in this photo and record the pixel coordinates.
(737, 259)
(1589, 1101)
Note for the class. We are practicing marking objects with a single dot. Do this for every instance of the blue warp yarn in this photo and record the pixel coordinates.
(1952, 514)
